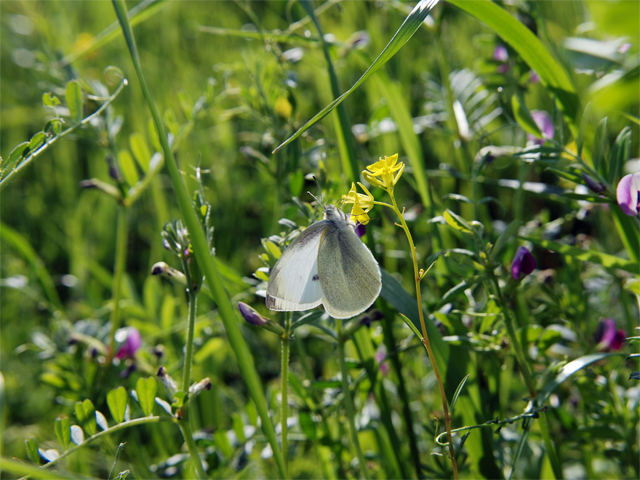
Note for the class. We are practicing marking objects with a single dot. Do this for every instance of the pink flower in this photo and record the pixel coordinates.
(501, 54)
(628, 194)
(545, 124)
(380, 357)
(607, 337)
(523, 264)
(130, 340)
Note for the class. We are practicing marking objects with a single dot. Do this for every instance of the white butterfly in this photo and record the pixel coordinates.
(326, 264)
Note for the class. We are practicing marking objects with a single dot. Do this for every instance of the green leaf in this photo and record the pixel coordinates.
(63, 432)
(140, 150)
(146, 390)
(117, 402)
(633, 285)
(504, 237)
(221, 441)
(73, 95)
(552, 74)
(457, 222)
(567, 371)
(128, 167)
(405, 32)
(86, 415)
(37, 140)
(49, 100)
(604, 259)
(15, 155)
(32, 450)
(523, 116)
(457, 393)
(307, 425)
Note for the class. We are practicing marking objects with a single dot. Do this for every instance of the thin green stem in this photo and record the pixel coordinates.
(425, 336)
(349, 401)
(191, 321)
(185, 428)
(104, 433)
(284, 387)
(203, 253)
(118, 272)
(29, 158)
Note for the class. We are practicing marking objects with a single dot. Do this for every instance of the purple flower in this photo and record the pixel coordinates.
(545, 124)
(361, 229)
(533, 77)
(607, 337)
(130, 340)
(595, 187)
(628, 194)
(501, 54)
(380, 357)
(523, 264)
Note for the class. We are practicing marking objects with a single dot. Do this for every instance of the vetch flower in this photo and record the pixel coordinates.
(362, 204)
(130, 340)
(385, 172)
(595, 187)
(501, 54)
(607, 337)
(360, 230)
(545, 124)
(628, 194)
(254, 318)
(523, 264)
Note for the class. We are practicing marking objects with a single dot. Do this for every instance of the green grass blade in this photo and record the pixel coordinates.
(604, 259)
(343, 128)
(552, 74)
(629, 234)
(457, 394)
(203, 255)
(568, 370)
(410, 141)
(13, 239)
(402, 36)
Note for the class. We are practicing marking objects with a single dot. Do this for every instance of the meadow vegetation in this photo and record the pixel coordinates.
(158, 157)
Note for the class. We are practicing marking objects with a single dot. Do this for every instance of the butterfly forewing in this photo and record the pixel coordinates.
(294, 284)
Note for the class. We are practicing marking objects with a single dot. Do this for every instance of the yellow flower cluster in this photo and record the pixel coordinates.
(362, 204)
(384, 174)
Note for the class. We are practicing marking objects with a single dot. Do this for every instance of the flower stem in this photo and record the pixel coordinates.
(185, 428)
(284, 388)
(118, 271)
(425, 336)
(191, 321)
(349, 401)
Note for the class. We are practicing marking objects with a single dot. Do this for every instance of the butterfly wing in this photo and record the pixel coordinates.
(349, 274)
(293, 283)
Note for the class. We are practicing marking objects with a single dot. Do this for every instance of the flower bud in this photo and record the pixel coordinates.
(523, 264)
(254, 318)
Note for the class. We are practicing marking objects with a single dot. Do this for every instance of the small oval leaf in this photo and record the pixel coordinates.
(73, 95)
(117, 402)
(146, 390)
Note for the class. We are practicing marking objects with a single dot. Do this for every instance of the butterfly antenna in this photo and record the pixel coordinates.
(317, 199)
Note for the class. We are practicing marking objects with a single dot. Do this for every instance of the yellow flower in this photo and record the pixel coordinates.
(381, 173)
(362, 204)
